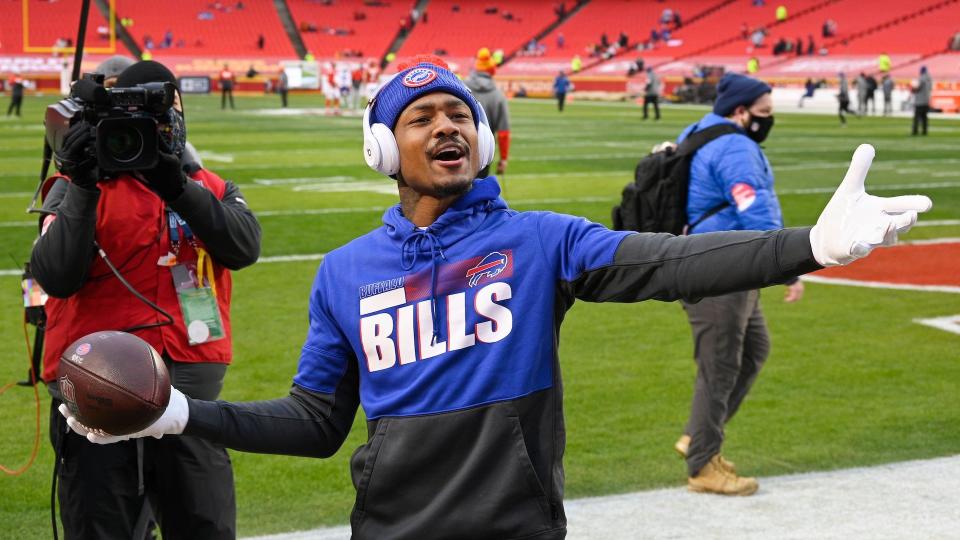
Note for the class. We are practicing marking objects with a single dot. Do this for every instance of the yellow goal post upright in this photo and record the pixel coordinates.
(109, 49)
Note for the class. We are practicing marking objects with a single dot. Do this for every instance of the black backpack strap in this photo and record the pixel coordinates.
(694, 142)
(707, 214)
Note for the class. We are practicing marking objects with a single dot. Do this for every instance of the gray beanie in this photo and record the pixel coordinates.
(113, 66)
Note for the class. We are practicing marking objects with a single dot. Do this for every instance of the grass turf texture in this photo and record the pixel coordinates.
(851, 380)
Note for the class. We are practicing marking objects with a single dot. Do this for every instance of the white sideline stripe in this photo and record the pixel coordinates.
(912, 499)
(213, 156)
(930, 241)
(937, 223)
(319, 211)
(292, 258)
(16, 194)
(881, 187)
(949, 324)
(384, 300)
(882, 285)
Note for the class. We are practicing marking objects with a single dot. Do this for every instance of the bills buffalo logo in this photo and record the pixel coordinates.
(490, 266)
(83, 349)
(418, 77)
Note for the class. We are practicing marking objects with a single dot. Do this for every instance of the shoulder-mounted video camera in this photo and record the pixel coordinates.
(125, 120)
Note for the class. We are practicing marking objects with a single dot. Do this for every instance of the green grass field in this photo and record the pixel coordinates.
(851, 380)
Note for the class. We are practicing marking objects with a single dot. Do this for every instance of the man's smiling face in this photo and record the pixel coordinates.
(437, 139)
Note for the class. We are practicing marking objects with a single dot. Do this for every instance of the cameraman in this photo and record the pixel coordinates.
(155, 226)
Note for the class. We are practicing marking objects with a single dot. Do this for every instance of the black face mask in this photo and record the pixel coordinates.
(759, 127)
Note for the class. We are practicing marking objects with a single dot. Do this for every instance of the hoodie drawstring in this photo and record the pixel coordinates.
(409, 251)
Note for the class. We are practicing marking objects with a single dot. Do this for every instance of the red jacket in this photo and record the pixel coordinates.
(132, 230)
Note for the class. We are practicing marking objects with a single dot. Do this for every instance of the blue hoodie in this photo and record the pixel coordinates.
(461, 303)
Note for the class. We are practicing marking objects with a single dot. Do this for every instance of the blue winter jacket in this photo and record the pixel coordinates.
(731, 169)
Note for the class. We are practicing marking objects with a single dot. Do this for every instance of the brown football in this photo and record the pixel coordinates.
(114, 381)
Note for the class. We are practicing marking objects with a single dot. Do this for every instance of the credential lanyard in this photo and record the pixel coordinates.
(205, 268)
(176, 224)
(178, 227)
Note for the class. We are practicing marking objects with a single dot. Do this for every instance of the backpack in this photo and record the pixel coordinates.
(656, 201)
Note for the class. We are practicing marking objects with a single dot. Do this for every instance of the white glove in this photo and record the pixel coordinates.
(854, 222)
(172, 422)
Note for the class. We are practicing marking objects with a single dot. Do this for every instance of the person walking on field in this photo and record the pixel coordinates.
(809, 88)
(887, 86)
(651, 93)
(15, 86)
(921, 101)
(560, 87)
(843, 99)
(731, 189)
(227, 79)
(283, 87)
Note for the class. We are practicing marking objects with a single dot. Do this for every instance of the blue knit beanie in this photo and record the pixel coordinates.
(414, 82)
(735, 90)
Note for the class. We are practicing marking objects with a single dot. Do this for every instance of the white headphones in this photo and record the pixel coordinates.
(380, 146)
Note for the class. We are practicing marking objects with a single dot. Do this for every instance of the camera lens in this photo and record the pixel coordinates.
(124, 143)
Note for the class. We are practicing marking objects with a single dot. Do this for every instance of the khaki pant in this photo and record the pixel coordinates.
(730, 346)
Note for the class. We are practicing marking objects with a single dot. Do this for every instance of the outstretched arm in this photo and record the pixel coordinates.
(666, 267)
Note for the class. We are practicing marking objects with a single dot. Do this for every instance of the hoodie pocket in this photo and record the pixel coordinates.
(362, 463)
(462, 475)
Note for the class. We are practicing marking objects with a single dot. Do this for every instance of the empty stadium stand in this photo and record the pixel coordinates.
(330, 29)
(208, 28)
(11, 28)
(914, 27)
(463, 31)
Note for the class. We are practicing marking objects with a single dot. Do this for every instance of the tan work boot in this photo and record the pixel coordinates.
(683, 445)
(712, 478)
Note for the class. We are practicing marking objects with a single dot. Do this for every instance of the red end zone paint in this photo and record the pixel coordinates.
(915, 264)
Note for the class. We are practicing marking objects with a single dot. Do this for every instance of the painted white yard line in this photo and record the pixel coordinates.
(877, 187)
(937, 222)
(207, 155)
(292, 258)
(320, 211)
(945, 240)
(305, 180)
(913, 499)
(374, 186)
(949, 324)
(882, 285)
